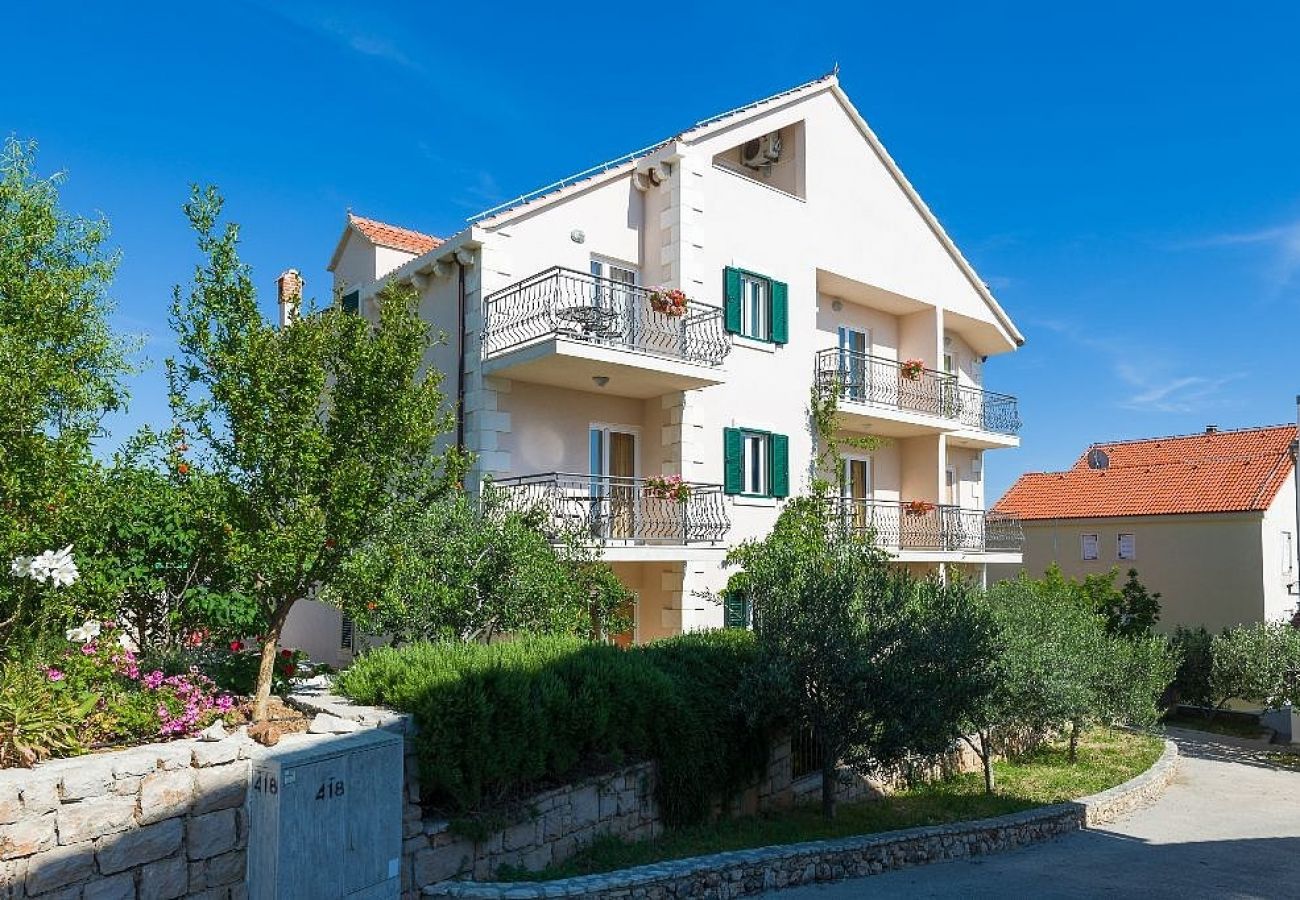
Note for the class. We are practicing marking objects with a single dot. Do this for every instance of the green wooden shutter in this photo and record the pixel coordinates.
(732, 460)
(780, 450)
(735, 609)
(731, 294)
(780, 313)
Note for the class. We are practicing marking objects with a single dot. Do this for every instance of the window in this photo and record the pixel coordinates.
(352, 302)
(1090, 544)
(1127, 547)
(1288, 553)
(756, 463)
(756, 306)
(737, 610)
(345, 634)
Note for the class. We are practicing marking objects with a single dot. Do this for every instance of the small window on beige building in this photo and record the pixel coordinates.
(1089, 542)
(1127, 546)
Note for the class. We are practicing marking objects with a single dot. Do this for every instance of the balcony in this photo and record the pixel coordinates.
(571, 329)
(619, 513)
(876, 393)
(924, 528)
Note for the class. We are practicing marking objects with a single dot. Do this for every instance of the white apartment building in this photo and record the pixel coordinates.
(808, 260)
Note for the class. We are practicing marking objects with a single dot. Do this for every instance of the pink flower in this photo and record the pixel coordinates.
(53, 674)
(89, 649)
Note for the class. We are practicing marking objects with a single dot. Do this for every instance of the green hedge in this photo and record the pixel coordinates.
(495, 721)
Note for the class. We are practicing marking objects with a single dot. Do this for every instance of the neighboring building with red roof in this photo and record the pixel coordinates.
(1208, 520)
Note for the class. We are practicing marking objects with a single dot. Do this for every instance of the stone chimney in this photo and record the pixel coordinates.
(289, 291)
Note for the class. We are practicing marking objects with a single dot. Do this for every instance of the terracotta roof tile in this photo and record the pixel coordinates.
(1224, 471)
(386, 235)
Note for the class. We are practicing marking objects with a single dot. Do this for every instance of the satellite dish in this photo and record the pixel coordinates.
(1097, 459)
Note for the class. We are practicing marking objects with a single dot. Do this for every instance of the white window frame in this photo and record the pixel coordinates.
(755, 446)
(1132, 545)
(1096, 547)
(756, 322)
(1288, 553)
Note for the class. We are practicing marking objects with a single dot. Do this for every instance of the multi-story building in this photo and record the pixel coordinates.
(808, 260)
(1208, 520)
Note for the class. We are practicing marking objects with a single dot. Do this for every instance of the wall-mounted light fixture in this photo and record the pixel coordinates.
(601, 380)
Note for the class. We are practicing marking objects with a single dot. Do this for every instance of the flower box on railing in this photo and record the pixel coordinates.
(667, 487)
(918, 507)
(669, 301)
(912, 369)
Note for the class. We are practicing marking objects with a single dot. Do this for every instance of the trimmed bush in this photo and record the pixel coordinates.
(497, 721)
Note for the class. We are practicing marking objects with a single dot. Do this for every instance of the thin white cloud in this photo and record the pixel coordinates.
(1160, 384)
(1281, 242)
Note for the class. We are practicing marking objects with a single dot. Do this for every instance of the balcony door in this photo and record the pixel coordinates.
(854, 368)
(613, 480)
(614, 293)
(857, 491)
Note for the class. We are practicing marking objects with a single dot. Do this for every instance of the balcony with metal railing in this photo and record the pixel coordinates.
(903, 526)
(895, 399)
(619, 512)
(569, 328)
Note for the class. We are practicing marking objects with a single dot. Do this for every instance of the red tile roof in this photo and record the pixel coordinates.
(1212, 472)
(386, 235)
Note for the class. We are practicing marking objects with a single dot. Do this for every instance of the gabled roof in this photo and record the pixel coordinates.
(703, 129)
(384, 235)
(1211, 472)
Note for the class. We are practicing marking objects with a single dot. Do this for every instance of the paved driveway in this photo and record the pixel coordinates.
(1228, 826)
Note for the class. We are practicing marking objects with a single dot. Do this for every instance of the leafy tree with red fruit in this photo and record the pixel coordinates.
(312, 429)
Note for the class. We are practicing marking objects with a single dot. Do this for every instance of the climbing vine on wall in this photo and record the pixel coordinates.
(828, 444)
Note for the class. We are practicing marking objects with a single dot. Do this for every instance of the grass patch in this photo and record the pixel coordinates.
(1284, 759)
(1106, 758)
(1229, 725)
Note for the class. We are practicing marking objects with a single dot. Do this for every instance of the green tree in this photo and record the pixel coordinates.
(456, 570)
(61, 365)
(314, 429)
(1259, 662)
(877, 665)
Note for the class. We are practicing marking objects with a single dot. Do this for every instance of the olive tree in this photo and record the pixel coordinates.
(1259, 662)
(313, 428)
(878, 665)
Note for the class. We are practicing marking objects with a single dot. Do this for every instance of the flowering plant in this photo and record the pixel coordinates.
(669, 301)
(667, 487)
(918, 507)
(912, 369)
(57, 568)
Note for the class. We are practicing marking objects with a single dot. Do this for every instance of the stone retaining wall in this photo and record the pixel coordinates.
(746, 872)
(160, 821)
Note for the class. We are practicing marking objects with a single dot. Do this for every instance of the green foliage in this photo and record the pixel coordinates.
(1194, 682)
(61, 371)
(823, 409)
(1130, 610)
(36, 722)
(311, 429)
(497, 720)
(452, 570)
(878, 665)
(1062, 668)
(1258, 662)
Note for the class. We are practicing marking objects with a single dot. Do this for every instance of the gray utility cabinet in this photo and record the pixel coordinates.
(325, 819)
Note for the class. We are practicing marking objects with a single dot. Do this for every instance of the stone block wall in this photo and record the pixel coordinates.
(159, 821)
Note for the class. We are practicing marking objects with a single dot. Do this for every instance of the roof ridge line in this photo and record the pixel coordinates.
(1194, 434)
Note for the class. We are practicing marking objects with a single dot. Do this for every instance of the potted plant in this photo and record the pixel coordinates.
(669, 301)
(918, 507)
(912, 369)
(667, 487)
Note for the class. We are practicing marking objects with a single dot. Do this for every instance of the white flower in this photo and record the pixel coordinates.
(21, 567)
(86, 633)
(62, 569)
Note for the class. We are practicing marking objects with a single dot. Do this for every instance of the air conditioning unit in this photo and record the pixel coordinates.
(761, 151)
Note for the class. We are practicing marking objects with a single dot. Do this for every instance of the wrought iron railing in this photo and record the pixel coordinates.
(920, 525)
(877, 381)
(618, 510)
(562, 302)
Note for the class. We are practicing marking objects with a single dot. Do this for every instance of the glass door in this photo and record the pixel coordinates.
(857, 492)
(613, 481)
(614, 295)
(854, 366)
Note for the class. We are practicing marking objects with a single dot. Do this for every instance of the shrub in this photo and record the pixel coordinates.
(1253, 662)
(1193, 684)
(495, 721)
(36, 721)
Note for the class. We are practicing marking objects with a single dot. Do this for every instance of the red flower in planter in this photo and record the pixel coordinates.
(287, 653)
(236, 646)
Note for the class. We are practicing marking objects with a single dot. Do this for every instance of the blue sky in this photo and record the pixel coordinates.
(1123, 175)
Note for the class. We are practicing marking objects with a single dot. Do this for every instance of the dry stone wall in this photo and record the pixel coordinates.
(159, 821)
